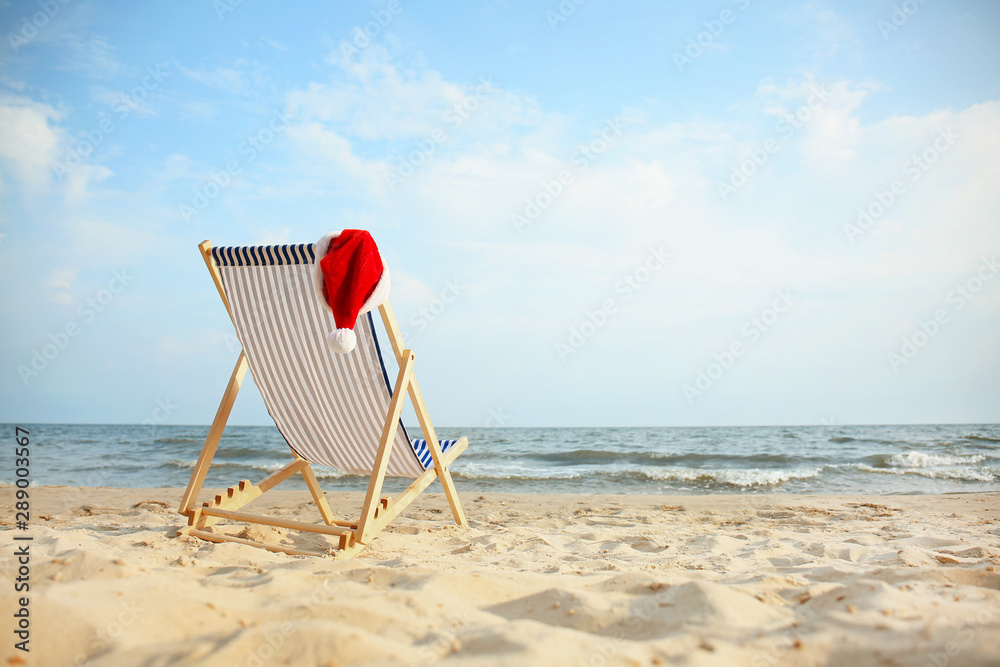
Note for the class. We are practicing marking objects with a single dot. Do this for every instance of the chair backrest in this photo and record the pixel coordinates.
(329, 407)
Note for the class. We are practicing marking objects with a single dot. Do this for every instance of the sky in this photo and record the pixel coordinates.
(594, 213)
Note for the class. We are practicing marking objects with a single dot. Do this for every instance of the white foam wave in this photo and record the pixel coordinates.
(921, 460)
(332, 473)
(963, 474)
(743, 478)
(526, 475)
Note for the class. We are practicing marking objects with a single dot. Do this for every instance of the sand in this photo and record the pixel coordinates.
(535, 580)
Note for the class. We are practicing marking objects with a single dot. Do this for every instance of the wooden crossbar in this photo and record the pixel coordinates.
(276, 521)
(218, 538)
(214, 434)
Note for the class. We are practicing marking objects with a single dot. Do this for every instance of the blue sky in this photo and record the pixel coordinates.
(595, 214)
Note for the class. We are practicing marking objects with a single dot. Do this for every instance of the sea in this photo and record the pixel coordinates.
(903, 459)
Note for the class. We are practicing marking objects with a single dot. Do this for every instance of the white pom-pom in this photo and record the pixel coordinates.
(341, 340)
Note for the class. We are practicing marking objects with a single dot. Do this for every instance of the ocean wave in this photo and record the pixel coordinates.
(961, 474)
(982, 438)
(174, 441)
(515, 476)
(742, 478)
(584, 456)
(867, 440)
(322, 472)
(921, 460)
(267, 467)
(603, 457)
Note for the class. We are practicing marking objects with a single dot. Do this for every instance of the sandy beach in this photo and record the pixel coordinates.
(535, 579)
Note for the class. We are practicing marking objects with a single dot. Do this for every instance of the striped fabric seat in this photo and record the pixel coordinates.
(424, 454)
(329, 407)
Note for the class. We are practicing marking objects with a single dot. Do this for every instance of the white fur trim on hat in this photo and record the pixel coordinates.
(320, 249)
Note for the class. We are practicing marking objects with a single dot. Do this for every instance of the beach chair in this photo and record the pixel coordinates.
(336, 410)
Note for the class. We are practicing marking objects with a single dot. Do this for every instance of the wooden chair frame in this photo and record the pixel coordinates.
(376, 512)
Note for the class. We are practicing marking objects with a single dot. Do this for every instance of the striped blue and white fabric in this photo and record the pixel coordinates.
(329, 407)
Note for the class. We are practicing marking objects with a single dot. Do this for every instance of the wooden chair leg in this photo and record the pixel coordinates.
(413, 491)
(214, 435)
(385, 448)
(435, 448)
(448, 484)
(317, 494)
(423, 416)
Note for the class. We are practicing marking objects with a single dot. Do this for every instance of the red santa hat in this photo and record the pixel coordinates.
(350, 279)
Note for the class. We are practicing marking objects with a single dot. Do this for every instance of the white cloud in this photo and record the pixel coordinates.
(330, 157)
(273, 43)
(62, 278)
(33, 143)
(659, 181)
(823, 32)
(29, 139)
(372, 99)
(470, 143)
(657, 185)
(230, 80)
(119, 100)
(60, 282)
(92, 56)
